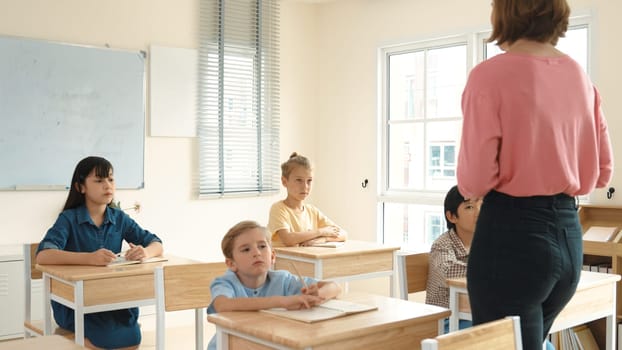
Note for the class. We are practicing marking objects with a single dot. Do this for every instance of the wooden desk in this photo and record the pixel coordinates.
(88, 289)
(354, 260)
(595, 298)
(50, 342)
(396, 324)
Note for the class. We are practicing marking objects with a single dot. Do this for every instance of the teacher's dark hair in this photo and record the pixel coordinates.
(103, 169)
(544, 21)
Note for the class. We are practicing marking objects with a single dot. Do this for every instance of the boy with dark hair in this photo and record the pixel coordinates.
(449, 252)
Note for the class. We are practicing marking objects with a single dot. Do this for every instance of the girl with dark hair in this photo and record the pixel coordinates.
(89, 232)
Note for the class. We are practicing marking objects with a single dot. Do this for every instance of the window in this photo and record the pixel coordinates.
(238, 125)
(421, 129)
(442, 160)
(423, 111)
(435, 226)
(422, 85)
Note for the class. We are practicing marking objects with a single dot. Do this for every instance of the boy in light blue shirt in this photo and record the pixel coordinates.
(251, 285)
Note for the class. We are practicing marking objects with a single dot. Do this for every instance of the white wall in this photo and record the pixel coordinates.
(328, 103)
(351, 31)
(188, 226)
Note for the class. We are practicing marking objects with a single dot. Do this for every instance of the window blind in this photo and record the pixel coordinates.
(238, 126)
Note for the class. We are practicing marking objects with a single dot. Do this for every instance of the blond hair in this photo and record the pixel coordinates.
(294, 161)
(243, 226)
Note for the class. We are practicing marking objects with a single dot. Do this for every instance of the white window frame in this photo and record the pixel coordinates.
(408, 196)
(475, 54)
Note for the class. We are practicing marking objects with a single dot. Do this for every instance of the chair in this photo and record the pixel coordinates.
(413, 272)
(35, 327)
(503, 334)
(184, 287)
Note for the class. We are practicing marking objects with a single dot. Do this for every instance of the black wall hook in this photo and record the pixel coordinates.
(364, 183)
(610, 192)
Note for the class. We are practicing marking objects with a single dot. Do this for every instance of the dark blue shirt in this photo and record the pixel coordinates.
(74, 231)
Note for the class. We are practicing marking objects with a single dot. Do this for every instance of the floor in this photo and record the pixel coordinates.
(179, 331)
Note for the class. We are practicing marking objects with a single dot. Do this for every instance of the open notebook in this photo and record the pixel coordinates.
(330, 309)
(328, 244)
(120, 260)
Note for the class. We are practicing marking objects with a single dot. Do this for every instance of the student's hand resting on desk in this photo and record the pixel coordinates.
(333, 234)
(312, 289)
(329, 231)
(303, 301)
(136, 252)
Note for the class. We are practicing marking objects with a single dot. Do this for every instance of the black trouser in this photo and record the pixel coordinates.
(525, 260)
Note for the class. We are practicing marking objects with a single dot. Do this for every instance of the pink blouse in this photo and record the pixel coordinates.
(532, 126)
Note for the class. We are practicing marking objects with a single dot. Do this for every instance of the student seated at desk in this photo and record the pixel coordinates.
(450, 251)
(293, 222)
(89, 232)
(251, 285)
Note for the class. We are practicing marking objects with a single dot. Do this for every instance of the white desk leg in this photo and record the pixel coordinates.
(79, 312)
(393, 274)
(611, 333)
(318, 269)
(47, 305)
(198, 328)
(441, 326)
(453, 306)
(611, 322)
(222, 339)
(401, 270)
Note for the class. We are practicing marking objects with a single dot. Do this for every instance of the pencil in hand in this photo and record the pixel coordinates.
(302, 280)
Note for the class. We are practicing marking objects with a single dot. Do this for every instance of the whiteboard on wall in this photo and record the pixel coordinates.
(60, 103)
(173, 91)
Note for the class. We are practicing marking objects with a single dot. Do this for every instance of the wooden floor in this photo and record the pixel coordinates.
(179, 332)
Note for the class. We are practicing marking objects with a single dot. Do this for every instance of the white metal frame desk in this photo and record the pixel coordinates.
(396, 324)
(353, 260)
(595, 298)
(88, 289)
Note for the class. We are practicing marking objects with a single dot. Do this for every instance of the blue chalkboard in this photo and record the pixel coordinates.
(60, 103)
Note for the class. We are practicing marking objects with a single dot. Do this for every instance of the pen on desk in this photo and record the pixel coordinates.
(299, 275)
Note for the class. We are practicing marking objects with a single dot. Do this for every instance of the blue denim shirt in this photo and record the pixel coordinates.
(75, 231)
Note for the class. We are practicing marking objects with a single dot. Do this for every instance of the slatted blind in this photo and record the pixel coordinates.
(238, 126)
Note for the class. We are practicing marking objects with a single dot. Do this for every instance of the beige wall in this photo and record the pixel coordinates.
(188, 226)
(328, 102)
(351, 31)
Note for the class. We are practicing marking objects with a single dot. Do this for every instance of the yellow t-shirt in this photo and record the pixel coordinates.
(283, 217)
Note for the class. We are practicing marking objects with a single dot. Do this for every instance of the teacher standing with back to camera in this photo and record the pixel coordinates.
(534, 137)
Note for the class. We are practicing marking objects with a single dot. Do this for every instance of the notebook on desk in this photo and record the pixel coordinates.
(327, 244)
(121, 260)
(330, 309)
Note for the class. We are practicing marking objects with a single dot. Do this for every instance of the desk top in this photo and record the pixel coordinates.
(350, 247)
(391, 314)
(589, 279)
(89, 272)
(51, 342)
